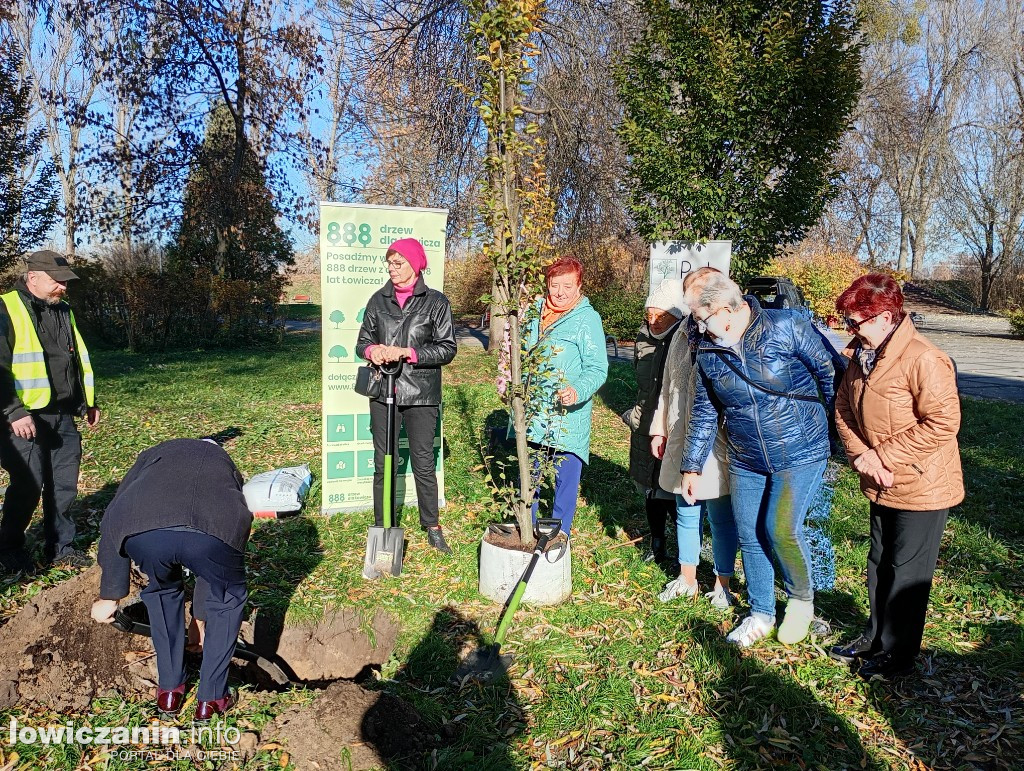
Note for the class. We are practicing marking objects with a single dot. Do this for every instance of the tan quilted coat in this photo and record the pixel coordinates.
(908, 411)
(671, 419)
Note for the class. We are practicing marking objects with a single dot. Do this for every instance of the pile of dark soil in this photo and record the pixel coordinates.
(53, 654)
(349, 727)
(512, 542)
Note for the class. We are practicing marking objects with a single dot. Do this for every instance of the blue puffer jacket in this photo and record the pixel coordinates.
(766, 433)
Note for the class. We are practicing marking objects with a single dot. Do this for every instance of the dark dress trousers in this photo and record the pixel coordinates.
(181, 505)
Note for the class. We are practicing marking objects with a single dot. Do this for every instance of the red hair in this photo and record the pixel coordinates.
(563, 266)
(870, 295)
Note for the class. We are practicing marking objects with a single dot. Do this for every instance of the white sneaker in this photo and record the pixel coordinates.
(679, 588)
(753, 628)
(720, 598)
(797, 621)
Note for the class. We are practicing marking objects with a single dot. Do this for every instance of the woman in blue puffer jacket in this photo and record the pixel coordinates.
(769, 375)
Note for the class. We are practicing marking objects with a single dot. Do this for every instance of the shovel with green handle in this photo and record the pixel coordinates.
(486, 662)
(385, 546)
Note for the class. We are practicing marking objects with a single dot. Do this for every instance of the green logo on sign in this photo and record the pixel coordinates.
(349, 233)
(340, 428)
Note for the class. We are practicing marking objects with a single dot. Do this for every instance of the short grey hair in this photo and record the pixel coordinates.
(698, 275)
(713, 290)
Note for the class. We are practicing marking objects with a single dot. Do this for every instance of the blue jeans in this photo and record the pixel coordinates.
(770, 511)
(690, 526)
(568, 470)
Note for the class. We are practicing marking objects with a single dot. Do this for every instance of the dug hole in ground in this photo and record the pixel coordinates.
(54, 657)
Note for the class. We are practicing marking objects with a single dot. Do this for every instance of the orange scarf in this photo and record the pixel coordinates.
(549, 314)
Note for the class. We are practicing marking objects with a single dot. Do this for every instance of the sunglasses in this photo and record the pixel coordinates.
(856, 325)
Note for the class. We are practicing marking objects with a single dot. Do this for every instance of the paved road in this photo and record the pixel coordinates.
(990, 361)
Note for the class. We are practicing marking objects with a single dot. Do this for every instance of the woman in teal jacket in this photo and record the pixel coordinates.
(568, 342)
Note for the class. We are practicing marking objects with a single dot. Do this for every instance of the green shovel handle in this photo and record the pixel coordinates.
(547, 532)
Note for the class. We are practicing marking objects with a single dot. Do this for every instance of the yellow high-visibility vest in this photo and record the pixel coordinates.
(28, 359)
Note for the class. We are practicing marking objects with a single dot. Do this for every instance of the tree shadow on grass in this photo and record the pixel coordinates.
(961, 710)
(767, 718)
(842, 611)
(607, 487)
(990, 439)
(619, 391)
(474, 722)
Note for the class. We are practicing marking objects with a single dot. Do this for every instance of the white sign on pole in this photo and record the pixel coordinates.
(674, 259)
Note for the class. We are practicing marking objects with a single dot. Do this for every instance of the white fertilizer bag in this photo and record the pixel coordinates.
(277, 493)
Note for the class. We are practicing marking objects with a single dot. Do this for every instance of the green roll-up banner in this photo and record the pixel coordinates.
(353, 241)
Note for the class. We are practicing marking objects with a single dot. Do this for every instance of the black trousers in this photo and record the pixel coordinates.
(45, 467)
(658, 510)
(219, 600)
(420, 425)
(901, 564)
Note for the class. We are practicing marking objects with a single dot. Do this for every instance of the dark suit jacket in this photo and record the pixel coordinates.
(178, 483)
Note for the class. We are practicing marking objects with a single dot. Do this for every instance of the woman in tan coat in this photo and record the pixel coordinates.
(668, 436)
(898, 413)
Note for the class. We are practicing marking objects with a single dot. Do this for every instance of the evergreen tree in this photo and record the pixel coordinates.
(733, 112)
(28, 206)
(229, 227)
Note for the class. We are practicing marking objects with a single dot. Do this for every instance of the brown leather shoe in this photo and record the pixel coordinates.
(205, 710)
(169, 702)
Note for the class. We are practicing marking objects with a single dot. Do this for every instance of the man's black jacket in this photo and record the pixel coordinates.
(53, 326)
(425, 324)
(179, 483)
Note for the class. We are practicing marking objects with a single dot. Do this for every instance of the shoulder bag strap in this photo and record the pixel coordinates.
(801, 397)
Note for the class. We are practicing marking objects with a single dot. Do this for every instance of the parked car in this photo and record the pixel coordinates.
(777, 292)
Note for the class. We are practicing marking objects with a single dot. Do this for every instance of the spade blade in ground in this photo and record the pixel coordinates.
(485, 664)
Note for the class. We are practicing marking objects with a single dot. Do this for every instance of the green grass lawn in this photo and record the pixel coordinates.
(300, 311)
(611, 679)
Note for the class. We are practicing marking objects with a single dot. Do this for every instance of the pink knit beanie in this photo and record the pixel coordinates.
(412, 250)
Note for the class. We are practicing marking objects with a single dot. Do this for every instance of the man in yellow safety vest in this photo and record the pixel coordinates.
(46, 381)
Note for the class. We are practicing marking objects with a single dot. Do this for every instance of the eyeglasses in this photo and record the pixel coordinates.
(702, 324)
(395, 265)
(856, 325)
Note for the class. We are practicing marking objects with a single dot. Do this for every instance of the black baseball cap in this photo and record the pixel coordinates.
(51, 263)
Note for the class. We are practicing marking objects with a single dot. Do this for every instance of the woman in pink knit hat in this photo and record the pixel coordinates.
(407, 321)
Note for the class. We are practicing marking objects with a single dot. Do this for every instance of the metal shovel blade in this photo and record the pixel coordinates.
(385, 550)
(486, 664)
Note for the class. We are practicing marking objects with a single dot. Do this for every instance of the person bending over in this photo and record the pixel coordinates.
(181, 506)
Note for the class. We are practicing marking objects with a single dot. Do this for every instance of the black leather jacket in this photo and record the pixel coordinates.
(425, 325)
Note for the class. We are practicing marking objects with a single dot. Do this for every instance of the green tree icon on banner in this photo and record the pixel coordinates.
(359, 316)
(337, 317)
(338, 352)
